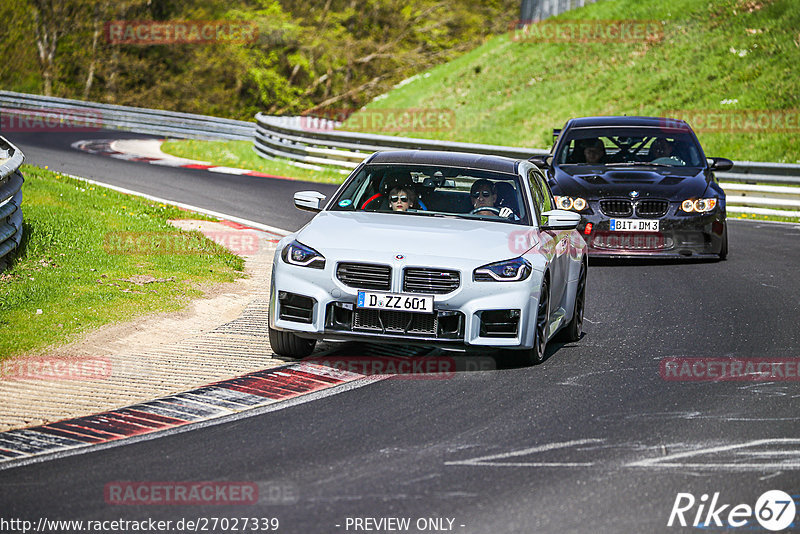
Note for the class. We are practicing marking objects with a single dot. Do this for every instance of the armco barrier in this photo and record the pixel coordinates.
(294, 138)
(305, 141)
(142, 120)
(10, 200)
(313, 142)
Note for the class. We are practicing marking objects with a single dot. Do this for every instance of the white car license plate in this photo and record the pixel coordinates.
(395, 301)
(634, 225)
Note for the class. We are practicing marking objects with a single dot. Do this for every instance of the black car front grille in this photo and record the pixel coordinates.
(436, 281)
(638, 241)
(393, 322)
(365, 275)
(616, 208)
(652, 208)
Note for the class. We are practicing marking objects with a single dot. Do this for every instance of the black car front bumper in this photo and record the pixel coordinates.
(680, 235)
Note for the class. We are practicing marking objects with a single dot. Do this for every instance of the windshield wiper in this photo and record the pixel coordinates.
(426, 213)
(645, 163)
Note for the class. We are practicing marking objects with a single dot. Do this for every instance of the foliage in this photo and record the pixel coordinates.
(307, 55)
(715, 56)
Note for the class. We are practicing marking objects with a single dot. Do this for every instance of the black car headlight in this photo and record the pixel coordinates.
(571, 203)
(503, 271)
(296, 253)
(700, 205)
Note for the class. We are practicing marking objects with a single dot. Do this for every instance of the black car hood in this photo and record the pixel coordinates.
(674, 183)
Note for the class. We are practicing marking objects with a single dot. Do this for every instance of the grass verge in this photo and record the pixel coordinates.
(725, 57)
(69, 278)
(240, 154)
(757, 217)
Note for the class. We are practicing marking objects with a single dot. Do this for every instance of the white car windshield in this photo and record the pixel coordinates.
(434, 191)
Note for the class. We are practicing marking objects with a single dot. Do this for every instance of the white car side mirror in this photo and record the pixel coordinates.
(561, 220)
(309, 200)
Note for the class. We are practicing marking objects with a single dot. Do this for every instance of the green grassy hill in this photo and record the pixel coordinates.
(715, 55)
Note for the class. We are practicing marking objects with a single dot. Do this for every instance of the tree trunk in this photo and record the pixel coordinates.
(46, 34)
(92, 64)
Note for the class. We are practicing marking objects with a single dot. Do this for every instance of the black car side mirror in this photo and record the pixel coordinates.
(543, 162)
(720, 164)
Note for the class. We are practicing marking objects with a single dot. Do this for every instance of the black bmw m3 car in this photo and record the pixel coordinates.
(642, 185)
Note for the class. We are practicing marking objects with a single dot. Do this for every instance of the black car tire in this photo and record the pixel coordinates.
(289, 344)
(723, 250)
(573, 330)
(536, 355)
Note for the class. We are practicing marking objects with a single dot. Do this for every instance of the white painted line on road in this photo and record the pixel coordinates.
(669, 460)
(246, 222)
(492, 459)
(228, 170)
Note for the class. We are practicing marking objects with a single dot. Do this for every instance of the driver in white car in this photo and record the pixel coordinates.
(483, 194)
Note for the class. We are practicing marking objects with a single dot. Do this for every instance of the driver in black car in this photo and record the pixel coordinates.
(483, 194)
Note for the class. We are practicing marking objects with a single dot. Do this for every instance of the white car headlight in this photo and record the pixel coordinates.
(296, 253)
(503, 271)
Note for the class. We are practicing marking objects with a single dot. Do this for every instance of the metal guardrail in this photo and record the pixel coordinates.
(301, 139)
(10, 200)
(310, 142)
(752, 172)
(93, 115)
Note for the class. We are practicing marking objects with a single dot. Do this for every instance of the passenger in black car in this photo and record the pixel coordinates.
(595, 152)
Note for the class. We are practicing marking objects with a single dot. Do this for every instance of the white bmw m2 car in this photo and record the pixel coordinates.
(459, 251)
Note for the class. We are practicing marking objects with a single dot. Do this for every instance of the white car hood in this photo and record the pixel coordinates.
(381, 236)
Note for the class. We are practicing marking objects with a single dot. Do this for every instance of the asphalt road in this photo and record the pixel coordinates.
(593, 440)
(265, 200)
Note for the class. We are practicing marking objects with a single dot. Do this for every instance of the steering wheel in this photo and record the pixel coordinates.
(621, 156)
(669, 160)
(496, 211)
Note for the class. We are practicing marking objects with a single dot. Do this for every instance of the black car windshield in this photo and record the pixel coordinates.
(421, 190)
(629, 147)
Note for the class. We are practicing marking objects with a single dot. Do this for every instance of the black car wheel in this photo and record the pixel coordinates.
(573, 331)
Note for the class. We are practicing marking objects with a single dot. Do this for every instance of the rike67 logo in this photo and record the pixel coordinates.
(774, 510)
